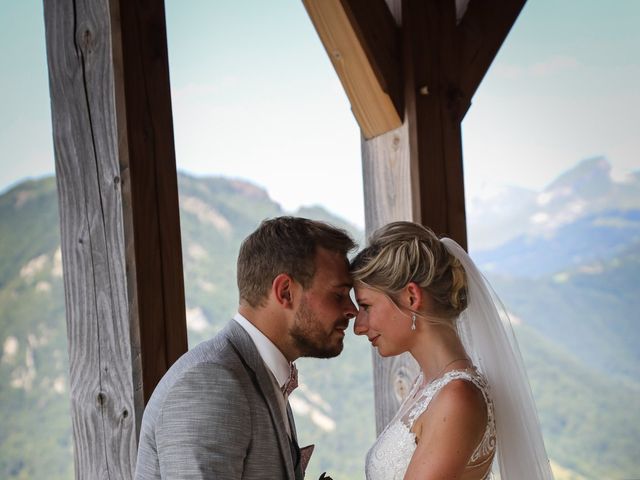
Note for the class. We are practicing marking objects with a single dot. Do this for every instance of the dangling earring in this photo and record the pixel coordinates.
(413, 321)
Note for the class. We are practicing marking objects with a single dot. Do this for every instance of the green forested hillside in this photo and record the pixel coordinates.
(591, 311)
(35, 426)
(28, 225)
(591, 421)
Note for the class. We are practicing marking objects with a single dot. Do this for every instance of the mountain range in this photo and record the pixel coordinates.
(565, 261)
(497, 215)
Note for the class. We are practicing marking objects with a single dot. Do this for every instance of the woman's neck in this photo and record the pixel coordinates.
(437, 350)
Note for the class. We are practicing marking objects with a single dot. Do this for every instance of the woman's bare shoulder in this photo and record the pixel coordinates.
(460, 405)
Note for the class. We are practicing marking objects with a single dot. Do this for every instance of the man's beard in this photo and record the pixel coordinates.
(310, 337)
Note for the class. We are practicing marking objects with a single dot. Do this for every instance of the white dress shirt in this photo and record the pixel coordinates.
(273, 359)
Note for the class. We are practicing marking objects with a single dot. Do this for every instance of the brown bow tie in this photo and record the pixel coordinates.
(292, 382)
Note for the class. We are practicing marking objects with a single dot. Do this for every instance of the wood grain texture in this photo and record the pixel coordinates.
(387, 180)
(365, 81)
(415, 172)
(389, 175)
(377, 32)
(433, 105)
(93, 250)
(151, 195)
(109, 245)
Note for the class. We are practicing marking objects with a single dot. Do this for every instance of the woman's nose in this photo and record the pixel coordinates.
(360, 326)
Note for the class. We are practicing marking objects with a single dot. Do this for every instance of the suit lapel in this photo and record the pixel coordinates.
(245, 347)
(292, 423)
(299, 474)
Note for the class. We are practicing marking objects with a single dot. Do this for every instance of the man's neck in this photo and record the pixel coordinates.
(272, 325)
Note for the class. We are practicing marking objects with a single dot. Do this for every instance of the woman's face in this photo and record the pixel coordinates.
(387, 328)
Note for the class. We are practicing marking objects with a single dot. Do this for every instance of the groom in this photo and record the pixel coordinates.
(222, 410)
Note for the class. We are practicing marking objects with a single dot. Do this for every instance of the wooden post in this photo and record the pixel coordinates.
(117, 190)
(432, 94)
(147, 157)
(391, 192)
(415, 172)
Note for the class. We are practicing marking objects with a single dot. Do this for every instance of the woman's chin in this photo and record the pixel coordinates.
(383, 353)
(386, 352)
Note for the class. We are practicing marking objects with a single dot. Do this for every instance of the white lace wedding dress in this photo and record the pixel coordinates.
(389, 457)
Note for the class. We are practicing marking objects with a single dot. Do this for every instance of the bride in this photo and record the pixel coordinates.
(470, 411)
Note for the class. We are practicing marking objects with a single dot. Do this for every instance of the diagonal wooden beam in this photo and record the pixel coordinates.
(380, 38)
(363, 44)
(481, 32)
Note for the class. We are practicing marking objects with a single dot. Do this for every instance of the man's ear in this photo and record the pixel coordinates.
(282, 290)
(414, 296)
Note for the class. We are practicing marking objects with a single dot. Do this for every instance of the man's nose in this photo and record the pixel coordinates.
(351, 310)
(360, 326)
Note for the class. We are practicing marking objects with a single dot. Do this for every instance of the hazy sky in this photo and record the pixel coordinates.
(255, 97)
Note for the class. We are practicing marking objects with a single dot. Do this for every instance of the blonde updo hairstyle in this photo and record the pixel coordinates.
(403, 252)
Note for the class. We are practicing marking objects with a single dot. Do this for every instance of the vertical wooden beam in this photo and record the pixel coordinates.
(118, 210)
(390, 193)
(415, 172)
(147, 157)
(433, 104)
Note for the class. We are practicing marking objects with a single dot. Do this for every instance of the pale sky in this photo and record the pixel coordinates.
(255, 97)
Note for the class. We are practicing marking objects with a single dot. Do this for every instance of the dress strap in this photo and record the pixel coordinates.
(431, 389)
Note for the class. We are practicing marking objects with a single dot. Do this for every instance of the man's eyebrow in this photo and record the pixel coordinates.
(344, 285)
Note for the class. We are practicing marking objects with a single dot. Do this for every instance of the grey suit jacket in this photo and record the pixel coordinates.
(215, 415)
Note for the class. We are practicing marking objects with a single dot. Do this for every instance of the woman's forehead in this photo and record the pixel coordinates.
(366, 291)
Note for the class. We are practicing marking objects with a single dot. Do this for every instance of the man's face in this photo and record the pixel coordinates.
(325, 308)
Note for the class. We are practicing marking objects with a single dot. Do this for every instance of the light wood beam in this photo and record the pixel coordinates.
(379, 36)
(362, 42)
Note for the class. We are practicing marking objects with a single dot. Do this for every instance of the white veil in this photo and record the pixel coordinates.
(491, 344)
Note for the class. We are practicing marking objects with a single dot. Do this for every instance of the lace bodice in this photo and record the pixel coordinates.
(389, 457)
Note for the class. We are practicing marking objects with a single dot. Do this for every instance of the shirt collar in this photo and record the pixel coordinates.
(270, 354)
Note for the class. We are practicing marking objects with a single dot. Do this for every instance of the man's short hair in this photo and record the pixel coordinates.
(284, 245)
